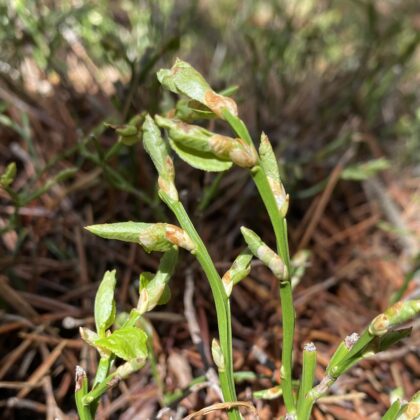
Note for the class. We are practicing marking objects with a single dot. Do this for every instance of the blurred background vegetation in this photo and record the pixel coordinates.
(331, 82)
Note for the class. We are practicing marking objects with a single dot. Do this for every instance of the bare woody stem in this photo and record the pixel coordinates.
(220, 298)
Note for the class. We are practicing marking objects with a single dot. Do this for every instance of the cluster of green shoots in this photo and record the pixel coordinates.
(128, 339)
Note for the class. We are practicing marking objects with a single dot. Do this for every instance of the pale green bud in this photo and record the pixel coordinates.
(152, 287)
(151, 236)
(158, 151)
(240, 268)
(397, 314)
(299, 263)
(217, 355)
(269, 164)
(265, 254)
(131, 133)
(182, 78)
(268, 394)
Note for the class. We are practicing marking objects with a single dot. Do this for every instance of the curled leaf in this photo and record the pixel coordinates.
(270, 166)
(183, 79)
(204, 161)
(130, 133)
(157, 150)
(196, 140)
(154, 289)
(265, 254)
(217, 355)
(238, 271)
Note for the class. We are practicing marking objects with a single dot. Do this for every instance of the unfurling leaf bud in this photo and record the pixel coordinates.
(269, 164)
(197, 138)
(131, 133)
(299, 264)
(397, 314)
(265, 254)
(158, 152)
(183, 79)
(238, 271)
(269, 394)
(152, 287)
(217, 355)
(151, 236)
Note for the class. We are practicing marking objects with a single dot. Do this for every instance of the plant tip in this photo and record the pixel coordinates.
(309, 347)
(351, 340)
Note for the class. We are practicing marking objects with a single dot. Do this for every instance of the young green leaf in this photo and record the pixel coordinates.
(128, 343)
(269, 164)
(153, 289)
(122, 231)
(105, 304)
(395, 315)
(240, 268)
(363, 171)
(268, 394)
(217, 355)
(195, 138)
(183, 79)
(205, 161)
(392, 412)
(8, 176)
(151, 236)
(157, 150)
(131, 133)
(189, 110)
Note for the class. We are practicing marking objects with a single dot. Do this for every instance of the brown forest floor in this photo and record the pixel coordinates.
(49, 284)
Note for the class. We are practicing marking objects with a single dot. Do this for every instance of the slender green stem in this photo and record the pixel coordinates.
(81, 390)
(173, 398)
(221, 301)
(113, 379)
(286, 297)
(392, 412)
(308, 374)
(104, 365)
(280, 230)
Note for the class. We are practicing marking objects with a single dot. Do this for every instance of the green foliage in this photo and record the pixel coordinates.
(128, 343)
(183, 79)
(363, 171)
(8, 176)
(125, 231)
(105, 309)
